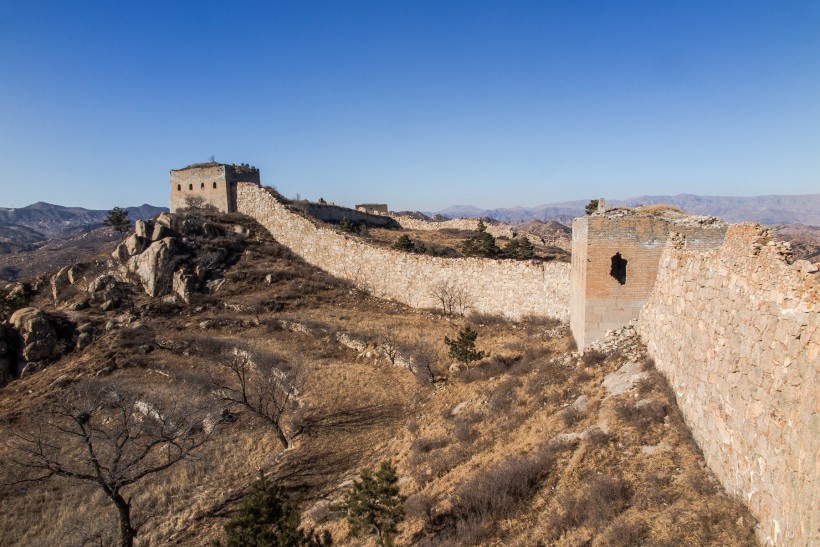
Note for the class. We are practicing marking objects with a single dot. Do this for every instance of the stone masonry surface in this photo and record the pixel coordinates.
(736, 329)
(494, 228)
(511, 288)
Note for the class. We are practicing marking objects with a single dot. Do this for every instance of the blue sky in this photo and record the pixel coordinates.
(420, 104)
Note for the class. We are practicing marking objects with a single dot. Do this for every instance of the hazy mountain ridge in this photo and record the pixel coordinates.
(770, 209)
(52, 221)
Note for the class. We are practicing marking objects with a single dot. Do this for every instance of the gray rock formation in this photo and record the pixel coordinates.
(38, 335)
(155, 267)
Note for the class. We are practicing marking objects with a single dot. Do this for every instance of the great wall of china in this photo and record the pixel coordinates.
(731, 321)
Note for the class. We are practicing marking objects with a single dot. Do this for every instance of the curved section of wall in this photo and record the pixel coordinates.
(737, 332)
(495, 230)
(511, 288)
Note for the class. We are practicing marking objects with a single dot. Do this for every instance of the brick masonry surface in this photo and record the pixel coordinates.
(507, 287)
(599, 302)
(736, 330)
(214, 183)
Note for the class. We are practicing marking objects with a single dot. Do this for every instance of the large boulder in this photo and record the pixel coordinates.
(143, 228)
(59, 283)
(155, 267)
(38, 334)
(184, 284)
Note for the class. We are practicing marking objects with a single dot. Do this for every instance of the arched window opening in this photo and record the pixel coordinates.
(618, 270)
(179, 187)
(190, 187)
(202, 186)
(214, 185)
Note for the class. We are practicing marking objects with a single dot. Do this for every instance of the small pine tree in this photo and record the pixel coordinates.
(374, 505)
(346, 225)
(483, 244)
(463, 347)
(118, 219)
(267, 520)
(591, 207)
(520, 248)
(403, 243)
(419, 247)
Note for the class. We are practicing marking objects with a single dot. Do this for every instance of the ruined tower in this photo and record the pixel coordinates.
(615, 256)
(209, 184)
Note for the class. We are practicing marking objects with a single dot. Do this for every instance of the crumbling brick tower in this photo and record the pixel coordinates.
(615, 256)
(212, 183)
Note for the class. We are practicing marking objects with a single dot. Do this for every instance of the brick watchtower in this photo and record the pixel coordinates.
(615, 257)
(209, 184)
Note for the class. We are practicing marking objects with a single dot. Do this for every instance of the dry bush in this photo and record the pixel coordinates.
(497, 493)
(503, 395)
(643, 416)
(625, 530)
(597, 437)
(654, 490)
(593, 505)
(490, 368)
(593, 357)
(420, 505)
(537, 324)
(464, 428)
(486, 319)
(658, 209)
(571, 416)
(424, 446)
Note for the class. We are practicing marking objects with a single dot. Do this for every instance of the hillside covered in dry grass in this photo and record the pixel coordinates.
(532, 445)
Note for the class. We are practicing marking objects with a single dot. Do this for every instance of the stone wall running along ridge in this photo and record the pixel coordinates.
(736, 330)
(508, 287)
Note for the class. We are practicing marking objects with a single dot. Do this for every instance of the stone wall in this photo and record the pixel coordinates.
(495, 229)
(327, 212)
(508, 287)
(736, 330)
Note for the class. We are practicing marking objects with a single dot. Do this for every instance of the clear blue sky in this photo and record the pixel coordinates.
(420, 104)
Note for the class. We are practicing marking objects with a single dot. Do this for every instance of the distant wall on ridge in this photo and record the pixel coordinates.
(507, 287)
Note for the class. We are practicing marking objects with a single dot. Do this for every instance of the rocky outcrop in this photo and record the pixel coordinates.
(38, 336)
(155, 267)
(173, 255)
(42, 337)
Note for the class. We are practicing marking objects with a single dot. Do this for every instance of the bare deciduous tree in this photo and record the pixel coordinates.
(269, 391)
(194, 202)
(111, 438)
(387, 343)
(424, 362)
(452, 297)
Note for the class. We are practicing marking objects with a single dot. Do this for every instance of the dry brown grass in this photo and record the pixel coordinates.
(478, 453)
(658, 209)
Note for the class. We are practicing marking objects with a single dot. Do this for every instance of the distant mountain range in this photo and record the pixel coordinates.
(44, 237)
(42, 221)
(770, 210)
